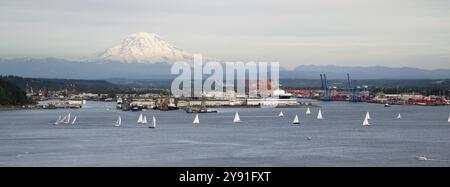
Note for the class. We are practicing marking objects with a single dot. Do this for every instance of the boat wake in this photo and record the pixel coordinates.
(206, 143)
(438, 160)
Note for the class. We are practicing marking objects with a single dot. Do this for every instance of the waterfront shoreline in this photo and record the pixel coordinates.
(18, 107)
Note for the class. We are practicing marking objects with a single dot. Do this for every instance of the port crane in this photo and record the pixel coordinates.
(350, 87)
(354, 97)
(325, 88)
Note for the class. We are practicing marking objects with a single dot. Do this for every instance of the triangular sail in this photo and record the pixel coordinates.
(236, 118)
(144, 120)
(196, 120)
(319, 116)
(366, 121)
(140, 119)
(308, 111)
(57, 120)
(154, 122)
(296, 121)
(368, 115)
(63, 119)
(281, 114)
(74, 120)
(399, 116)
(67, 119)
(118, 122)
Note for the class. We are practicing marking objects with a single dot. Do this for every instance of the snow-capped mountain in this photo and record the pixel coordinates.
(144, 47)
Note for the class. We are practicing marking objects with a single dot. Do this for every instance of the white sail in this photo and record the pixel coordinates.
(399, 116)
(319, 116)
(118, 122)
(281, 114)
(196, 120)
(366, 121)
(368, 115)
(308, 111)
(74, 120)
(63, 119)
(144, 120)
(296, 121)
(236, 118)
(57, 120)
(154, 122)
(67, 119)
(140, 119)
(449, 119)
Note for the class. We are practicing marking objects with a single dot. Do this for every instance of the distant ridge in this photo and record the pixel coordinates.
(60, 68)
(371, 72)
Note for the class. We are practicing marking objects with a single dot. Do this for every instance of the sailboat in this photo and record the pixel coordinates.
(449, 119)
(67, 120)
(140, 119)
(368, 115)
(118, 122)
(366, 121)
(57, 121)
(144, 120)
(308, 111)
(281, 114)
(196, 120)
(74, 120)
(319, 116)
(236, 118)
(399, 116)
(153, 123)
(296, 121)
(63, 119)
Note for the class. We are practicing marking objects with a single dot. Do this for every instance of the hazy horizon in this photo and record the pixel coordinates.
(402, 33)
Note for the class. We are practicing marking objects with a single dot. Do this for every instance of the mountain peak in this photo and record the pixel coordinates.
(144, 35)
(143, 47)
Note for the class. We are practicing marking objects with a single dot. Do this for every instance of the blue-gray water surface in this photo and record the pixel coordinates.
(262, 139)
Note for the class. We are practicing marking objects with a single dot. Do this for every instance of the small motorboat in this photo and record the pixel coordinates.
(422, 158)
(136, 108)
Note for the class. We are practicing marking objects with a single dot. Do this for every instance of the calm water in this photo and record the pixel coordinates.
(262, 139)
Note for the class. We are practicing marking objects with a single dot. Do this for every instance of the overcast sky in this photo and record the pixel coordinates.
(395, 33)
